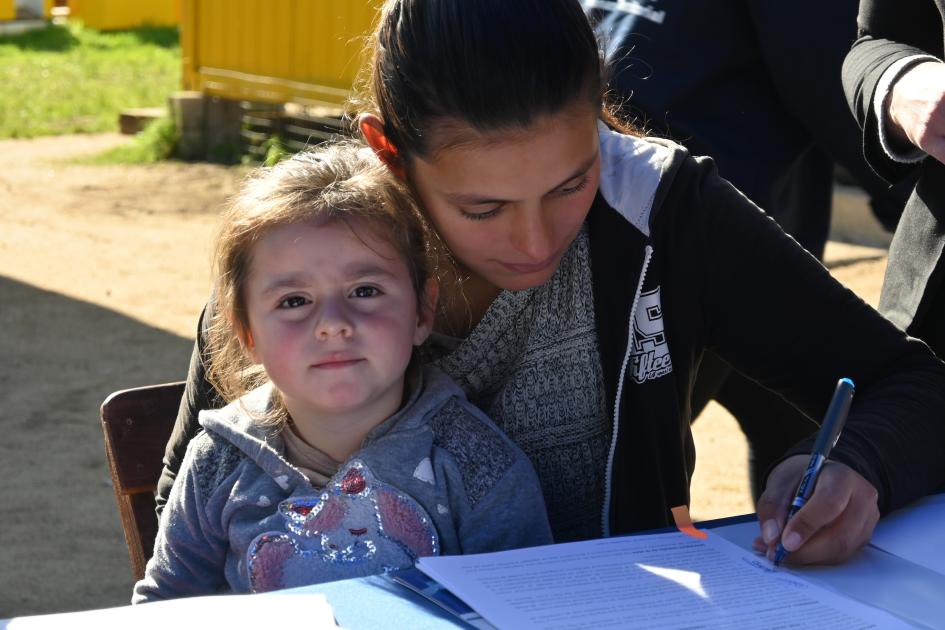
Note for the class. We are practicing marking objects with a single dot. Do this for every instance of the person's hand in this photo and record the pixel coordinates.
(916, 108)
(834, 524)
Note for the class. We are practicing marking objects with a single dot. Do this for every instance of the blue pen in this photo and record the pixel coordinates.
(826, 439)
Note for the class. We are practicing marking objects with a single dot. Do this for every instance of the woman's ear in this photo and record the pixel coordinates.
(427, 313)
(372, 128)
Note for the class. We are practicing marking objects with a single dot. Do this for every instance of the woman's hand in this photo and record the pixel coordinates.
(916, 108)
(834, 524)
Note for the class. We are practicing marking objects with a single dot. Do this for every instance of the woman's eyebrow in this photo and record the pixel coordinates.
(474, 199)
(580, 172)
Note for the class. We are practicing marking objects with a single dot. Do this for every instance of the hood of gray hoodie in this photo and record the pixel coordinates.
(240, 422)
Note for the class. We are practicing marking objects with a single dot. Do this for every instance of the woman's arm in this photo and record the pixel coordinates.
(773, 312)
(198, 394)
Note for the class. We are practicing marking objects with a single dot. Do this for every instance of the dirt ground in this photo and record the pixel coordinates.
(103, 271)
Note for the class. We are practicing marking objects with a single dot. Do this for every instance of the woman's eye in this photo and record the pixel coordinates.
(293, 301)
(574, 189)
(479, 216)
(366, 292)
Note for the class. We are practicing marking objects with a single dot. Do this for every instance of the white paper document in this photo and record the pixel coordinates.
(232, 612)
(918, 535)
(660, 580)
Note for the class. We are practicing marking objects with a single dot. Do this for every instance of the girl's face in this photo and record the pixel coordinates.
(333, 318)
(509, 203)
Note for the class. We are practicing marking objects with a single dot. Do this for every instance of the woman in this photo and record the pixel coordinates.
(597, 267)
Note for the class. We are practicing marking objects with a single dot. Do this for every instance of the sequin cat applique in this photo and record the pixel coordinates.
(358, 526)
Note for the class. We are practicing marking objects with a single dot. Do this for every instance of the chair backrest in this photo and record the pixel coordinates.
(137, 424)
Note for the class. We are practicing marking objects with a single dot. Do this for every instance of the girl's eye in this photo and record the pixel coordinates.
(574, 189)
(293, 301)
(365, 292)
(479, 216)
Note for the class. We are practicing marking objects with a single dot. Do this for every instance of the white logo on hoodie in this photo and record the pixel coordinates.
(650, 354)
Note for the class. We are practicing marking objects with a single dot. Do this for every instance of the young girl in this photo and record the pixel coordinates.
(599, 266)
(339, 456)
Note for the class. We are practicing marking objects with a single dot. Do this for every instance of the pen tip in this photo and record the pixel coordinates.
(779, 554)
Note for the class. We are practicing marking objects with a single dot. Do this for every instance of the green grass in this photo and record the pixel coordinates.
(155, 143)
(70, 79)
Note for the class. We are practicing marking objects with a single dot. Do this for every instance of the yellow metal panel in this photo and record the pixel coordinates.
(300, 53)
(119, 14)
(212, 24)
(282, 46)
(7, 10)
(315, 44)
(241, 49)
(307, 51)
(188, 44)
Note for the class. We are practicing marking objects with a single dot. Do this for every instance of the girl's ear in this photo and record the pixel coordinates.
(372, 128)
(427, 314)
(249, 346)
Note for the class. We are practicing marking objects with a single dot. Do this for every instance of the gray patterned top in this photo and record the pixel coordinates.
(532, 364)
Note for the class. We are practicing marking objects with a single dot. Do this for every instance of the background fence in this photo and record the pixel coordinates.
(275, 51)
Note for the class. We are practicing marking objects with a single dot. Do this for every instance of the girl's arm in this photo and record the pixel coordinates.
(512, 512)
(190, 549)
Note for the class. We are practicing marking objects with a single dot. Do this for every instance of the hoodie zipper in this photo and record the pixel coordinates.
(608, 479)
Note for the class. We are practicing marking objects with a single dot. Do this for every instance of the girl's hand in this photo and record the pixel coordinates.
(836, 522)
(916, 108)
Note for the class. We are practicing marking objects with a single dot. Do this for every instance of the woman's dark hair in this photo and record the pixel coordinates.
(490, 64)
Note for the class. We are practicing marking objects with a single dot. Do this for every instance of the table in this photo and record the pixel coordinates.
(910, 591)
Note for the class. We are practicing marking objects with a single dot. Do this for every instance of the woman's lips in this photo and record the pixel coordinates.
(530, 267)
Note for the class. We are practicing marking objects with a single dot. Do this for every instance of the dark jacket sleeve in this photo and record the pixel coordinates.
(807, 80)
(198, 394)
(888, 30)
(775, 313)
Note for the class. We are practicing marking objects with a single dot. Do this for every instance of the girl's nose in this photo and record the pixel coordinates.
(333, 322)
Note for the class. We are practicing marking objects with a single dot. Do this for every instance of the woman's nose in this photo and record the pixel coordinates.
(532, 234)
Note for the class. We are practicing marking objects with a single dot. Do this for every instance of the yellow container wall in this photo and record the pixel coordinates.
(305, 51)
(7, 9)
(118, 14)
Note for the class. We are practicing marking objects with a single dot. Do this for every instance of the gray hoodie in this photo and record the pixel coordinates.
(437, 477)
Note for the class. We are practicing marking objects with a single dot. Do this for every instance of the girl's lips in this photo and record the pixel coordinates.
(334, 363)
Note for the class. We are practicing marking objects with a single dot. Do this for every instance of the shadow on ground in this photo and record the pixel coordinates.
(62, 546)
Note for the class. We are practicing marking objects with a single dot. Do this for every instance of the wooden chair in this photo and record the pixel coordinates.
(137, 424)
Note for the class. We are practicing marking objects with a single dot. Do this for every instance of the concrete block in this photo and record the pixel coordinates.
(132, 121)
(187, 109)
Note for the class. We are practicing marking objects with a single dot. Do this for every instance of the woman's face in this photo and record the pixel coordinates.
(509, 203)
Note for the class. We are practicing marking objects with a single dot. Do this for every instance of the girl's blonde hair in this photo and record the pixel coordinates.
(343, 181)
